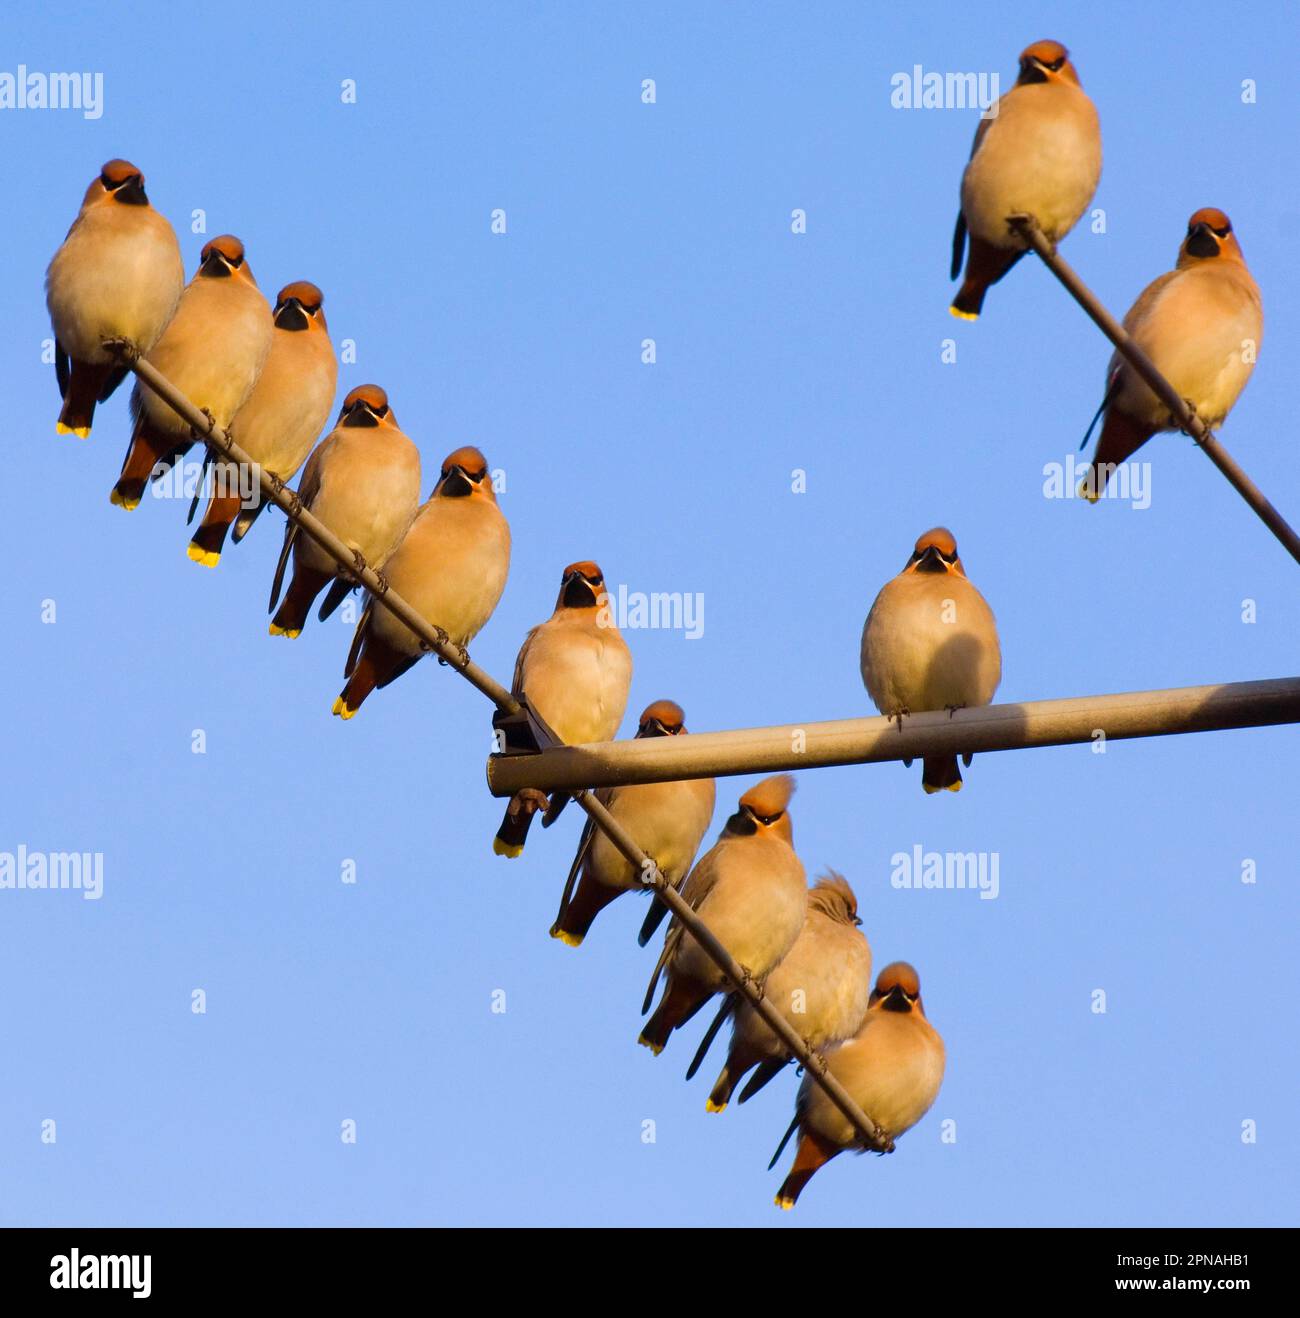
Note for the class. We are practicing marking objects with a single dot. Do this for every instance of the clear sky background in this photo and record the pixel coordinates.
(775, 352)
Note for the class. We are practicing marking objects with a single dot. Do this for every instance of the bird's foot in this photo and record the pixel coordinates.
(899, 715)
(952, 709)
(120, 347)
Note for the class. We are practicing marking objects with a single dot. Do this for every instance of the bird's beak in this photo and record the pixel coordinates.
(896, 1000)
(578, 593)
(931, 561)
(216, 266)
(132, 192)
(291, 316)
(360, 414)
(456, 485)
(742, 823)
(1202, 241)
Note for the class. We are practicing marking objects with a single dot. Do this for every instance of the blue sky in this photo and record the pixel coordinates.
(822, 352)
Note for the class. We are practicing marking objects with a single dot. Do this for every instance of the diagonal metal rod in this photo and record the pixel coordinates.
(206, 429)
(871, 740)
(286, 499)
(1186, 418)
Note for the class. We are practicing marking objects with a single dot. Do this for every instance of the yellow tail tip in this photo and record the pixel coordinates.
(931, 789)
(1085, 492)
(343, 709)
(711, 1106)
(784, 1203)
(655, 1048)
(291, 632)
(205, 557)
(565, 937)
(81, 432)
(963, 315)
(511, 850)
(121, 501)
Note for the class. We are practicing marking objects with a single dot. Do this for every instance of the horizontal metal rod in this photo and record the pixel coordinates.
(286, 499)
(870, 740)
(1186, 418)
(871, 1135)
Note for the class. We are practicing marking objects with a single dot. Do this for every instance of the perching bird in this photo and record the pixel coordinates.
(279, 421)
(363, 481)
(212, 351)
(667, 821)
(822, 987)
(118, 275)
(1039, 154)
(575, 670)
(749, 888)
(1201, 325)
(930, 642)
(450, 567)
(892, 1069)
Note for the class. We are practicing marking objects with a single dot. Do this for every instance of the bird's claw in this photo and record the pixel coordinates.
(952, 709)
(899, 715)
(120, 347)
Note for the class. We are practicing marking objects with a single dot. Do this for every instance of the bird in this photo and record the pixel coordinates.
(212, 351)
(117, 276)
(575, 671)
(1201, 325)
(822, 987)
(666, 820)
(1039, 153)
(363, 481)
(750, 890)
(930, 642)
(280, 420)
(450, 567)
(892, 1069)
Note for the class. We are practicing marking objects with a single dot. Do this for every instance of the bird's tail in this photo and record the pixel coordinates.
(724, 1014)
(205, 547)
(291, 617)
(812, 1154)
(1121, 437)
(766, 1071)
(86, 383)
(985, 265)
(516, 821)
(246, 518)
(378, 665)
(679, 1004)
(587, 902)
(940, 774)
(148, 450)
